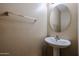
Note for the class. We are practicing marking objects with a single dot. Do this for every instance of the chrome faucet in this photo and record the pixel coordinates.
(57, 37)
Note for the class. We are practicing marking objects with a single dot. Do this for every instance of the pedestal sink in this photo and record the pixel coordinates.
(57, 44)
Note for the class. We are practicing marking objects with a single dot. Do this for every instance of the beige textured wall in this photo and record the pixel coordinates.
(70, 33)
(17, 35)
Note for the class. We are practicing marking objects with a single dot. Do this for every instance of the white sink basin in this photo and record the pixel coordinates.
(61, 43)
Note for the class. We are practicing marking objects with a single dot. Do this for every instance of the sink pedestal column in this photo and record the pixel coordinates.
(56, 51)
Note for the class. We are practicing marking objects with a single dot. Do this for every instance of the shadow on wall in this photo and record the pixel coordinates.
(47, 50)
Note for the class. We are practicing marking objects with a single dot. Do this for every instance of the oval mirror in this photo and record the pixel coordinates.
(59, 18)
